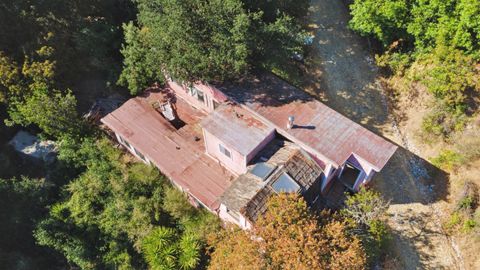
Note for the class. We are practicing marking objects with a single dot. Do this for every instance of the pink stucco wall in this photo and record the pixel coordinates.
(237, 162)
(210, 94)
(259, 147)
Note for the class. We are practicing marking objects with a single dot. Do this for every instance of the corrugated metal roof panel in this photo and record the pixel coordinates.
(177, 153)
(318, 127)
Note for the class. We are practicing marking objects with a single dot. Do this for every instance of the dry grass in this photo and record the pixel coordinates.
(411, 105)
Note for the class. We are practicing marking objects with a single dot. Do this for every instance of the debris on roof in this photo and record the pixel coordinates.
(102, 107)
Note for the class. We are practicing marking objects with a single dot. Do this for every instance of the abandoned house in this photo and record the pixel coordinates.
(230, 147)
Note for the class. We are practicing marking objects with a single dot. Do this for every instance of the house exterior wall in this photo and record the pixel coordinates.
(225, 214)
(236, 162)
(210, 95)
(259, 147)
(366, 168)
(328, 176)
(131, 148)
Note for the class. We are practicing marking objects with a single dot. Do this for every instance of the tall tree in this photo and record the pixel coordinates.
(203, 40)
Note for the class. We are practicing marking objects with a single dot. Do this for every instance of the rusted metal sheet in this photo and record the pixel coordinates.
(179, 154)
(237, 127)
(318, 128)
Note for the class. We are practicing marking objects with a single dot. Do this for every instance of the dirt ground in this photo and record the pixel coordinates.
(341, 72)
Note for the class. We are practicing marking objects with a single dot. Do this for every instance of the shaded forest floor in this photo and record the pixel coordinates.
(341, 72)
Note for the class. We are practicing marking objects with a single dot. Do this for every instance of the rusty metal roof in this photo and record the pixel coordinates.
(318, 128)
(236, 127)
(179, 154)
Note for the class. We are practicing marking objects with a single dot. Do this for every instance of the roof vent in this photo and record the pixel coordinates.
(291, 118)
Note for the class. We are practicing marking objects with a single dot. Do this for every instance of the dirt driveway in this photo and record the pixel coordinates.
(341, 72)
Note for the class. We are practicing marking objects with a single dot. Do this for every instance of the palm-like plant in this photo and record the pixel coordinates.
(165, 250)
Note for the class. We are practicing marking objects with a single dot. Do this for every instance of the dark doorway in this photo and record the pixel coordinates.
(349, 175)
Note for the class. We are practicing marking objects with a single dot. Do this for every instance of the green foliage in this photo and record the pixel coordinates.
(466, 202)
(448, 160)
(207, 40)
(448, 75)
(385, 20)
(469, 225)
(432, 42)
(176, 205)
(163, 249)
(455, 219)
(426, 23)
(365, 207)
(440, 122)
(366, 211)
(139, 71)
(112, 212)
(31, 100)
(23, 203)
(55, 113)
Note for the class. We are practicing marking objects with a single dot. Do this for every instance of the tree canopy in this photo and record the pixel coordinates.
(204, 40)
(433, 43)
(289, 236)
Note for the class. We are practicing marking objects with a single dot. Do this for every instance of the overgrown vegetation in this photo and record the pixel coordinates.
(113, 217)
(208, 40)
(465, 217)
(434, 43)
(366, 213)
(289, 236)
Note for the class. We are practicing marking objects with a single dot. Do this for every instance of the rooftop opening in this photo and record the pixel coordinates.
(285, 184)
(262, 170)
(168, 112)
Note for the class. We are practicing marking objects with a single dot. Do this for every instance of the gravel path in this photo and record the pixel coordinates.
(343, 75)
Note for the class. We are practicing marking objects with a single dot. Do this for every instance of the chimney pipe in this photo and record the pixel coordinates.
(291, 118)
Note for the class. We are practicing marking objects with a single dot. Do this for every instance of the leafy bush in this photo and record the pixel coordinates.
(442, 123)
(165, 249)
(466, 203)
(176, 204)
(454, 220)
(448, 160)
(448, 75)
(112, 207)
(469, 225)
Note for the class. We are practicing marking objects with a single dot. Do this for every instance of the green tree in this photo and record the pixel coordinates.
(113, 206)
(206, 40)
(55, 113)
(140, 71)
(449, 74)
(23, 202)
(385, 20)
(366, 212)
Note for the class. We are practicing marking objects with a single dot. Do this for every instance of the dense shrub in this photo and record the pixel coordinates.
(448, 160)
